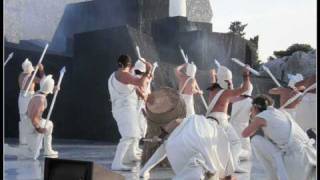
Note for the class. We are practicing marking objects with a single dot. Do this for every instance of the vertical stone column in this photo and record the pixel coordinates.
(177, 8)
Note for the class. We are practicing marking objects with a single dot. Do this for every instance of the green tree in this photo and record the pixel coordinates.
(293, 48)
(237, 28)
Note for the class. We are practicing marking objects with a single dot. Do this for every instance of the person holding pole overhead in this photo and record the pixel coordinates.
(35, 122)
(24, 79)
(122, 85)
(188, 85)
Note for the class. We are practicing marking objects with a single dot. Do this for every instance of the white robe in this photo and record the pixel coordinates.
(234, 139)
(269, 160)
(188, 99)
(239, 119)
(291, 111)
(299, 156)
(124, 107)
(23, 102)
(142, 119)
(306, 112)
(141, 106)
(193, 148)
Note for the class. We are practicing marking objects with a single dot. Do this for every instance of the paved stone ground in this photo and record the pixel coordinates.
(101, 154)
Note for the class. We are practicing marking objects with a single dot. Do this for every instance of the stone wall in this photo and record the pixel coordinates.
(298, 62)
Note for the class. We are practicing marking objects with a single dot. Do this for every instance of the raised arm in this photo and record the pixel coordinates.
(276, 91)
(195, 88)
(253, 127)
(178, 72)
(307, 82)
(41, 73)
(245, 85)
(128, 78)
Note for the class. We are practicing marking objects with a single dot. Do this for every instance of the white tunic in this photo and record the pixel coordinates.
(124, 107)
(32, 136)
(239, 119)
(142, 119)
(194, 143)
(291, 111)
(188, 99)
(306, 112)
(299, 155)
(233, 138)
(23, 101)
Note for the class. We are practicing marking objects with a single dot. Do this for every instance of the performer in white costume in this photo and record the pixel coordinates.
(122, 88)
(286, 93)
(35, 122)
(240, 116)
(139, 69)
(306, 114)
(195, 147)
(222, 90)
(188, 85)
(285, 151)
(23, 101)
(199, 147)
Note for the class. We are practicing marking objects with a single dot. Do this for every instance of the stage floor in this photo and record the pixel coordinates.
(99, 153)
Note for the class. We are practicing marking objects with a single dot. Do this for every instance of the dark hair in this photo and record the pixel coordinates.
(124, 61)
(262, 102)
(214, 86)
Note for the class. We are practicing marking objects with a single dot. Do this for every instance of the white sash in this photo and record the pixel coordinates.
(24, 82)
(184, 85)
(214, 101)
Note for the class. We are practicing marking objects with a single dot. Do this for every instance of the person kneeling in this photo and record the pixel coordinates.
(279, 129)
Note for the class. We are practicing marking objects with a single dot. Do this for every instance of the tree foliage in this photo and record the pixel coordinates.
(293, 48)
(237, 28)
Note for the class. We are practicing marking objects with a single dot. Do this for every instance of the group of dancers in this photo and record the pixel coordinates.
(201, 146)
(31, 105)
(213, 144)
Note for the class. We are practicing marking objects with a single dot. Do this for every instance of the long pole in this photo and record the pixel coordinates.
(271, 75)
(35, 71)
(253, 71)
(41, 136)
(183, 55)
(8, 59)
(299, 95)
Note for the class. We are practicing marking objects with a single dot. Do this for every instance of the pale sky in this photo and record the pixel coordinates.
(279, 23)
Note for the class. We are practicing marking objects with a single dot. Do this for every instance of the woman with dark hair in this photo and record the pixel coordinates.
(285, 150)
(122, 86)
